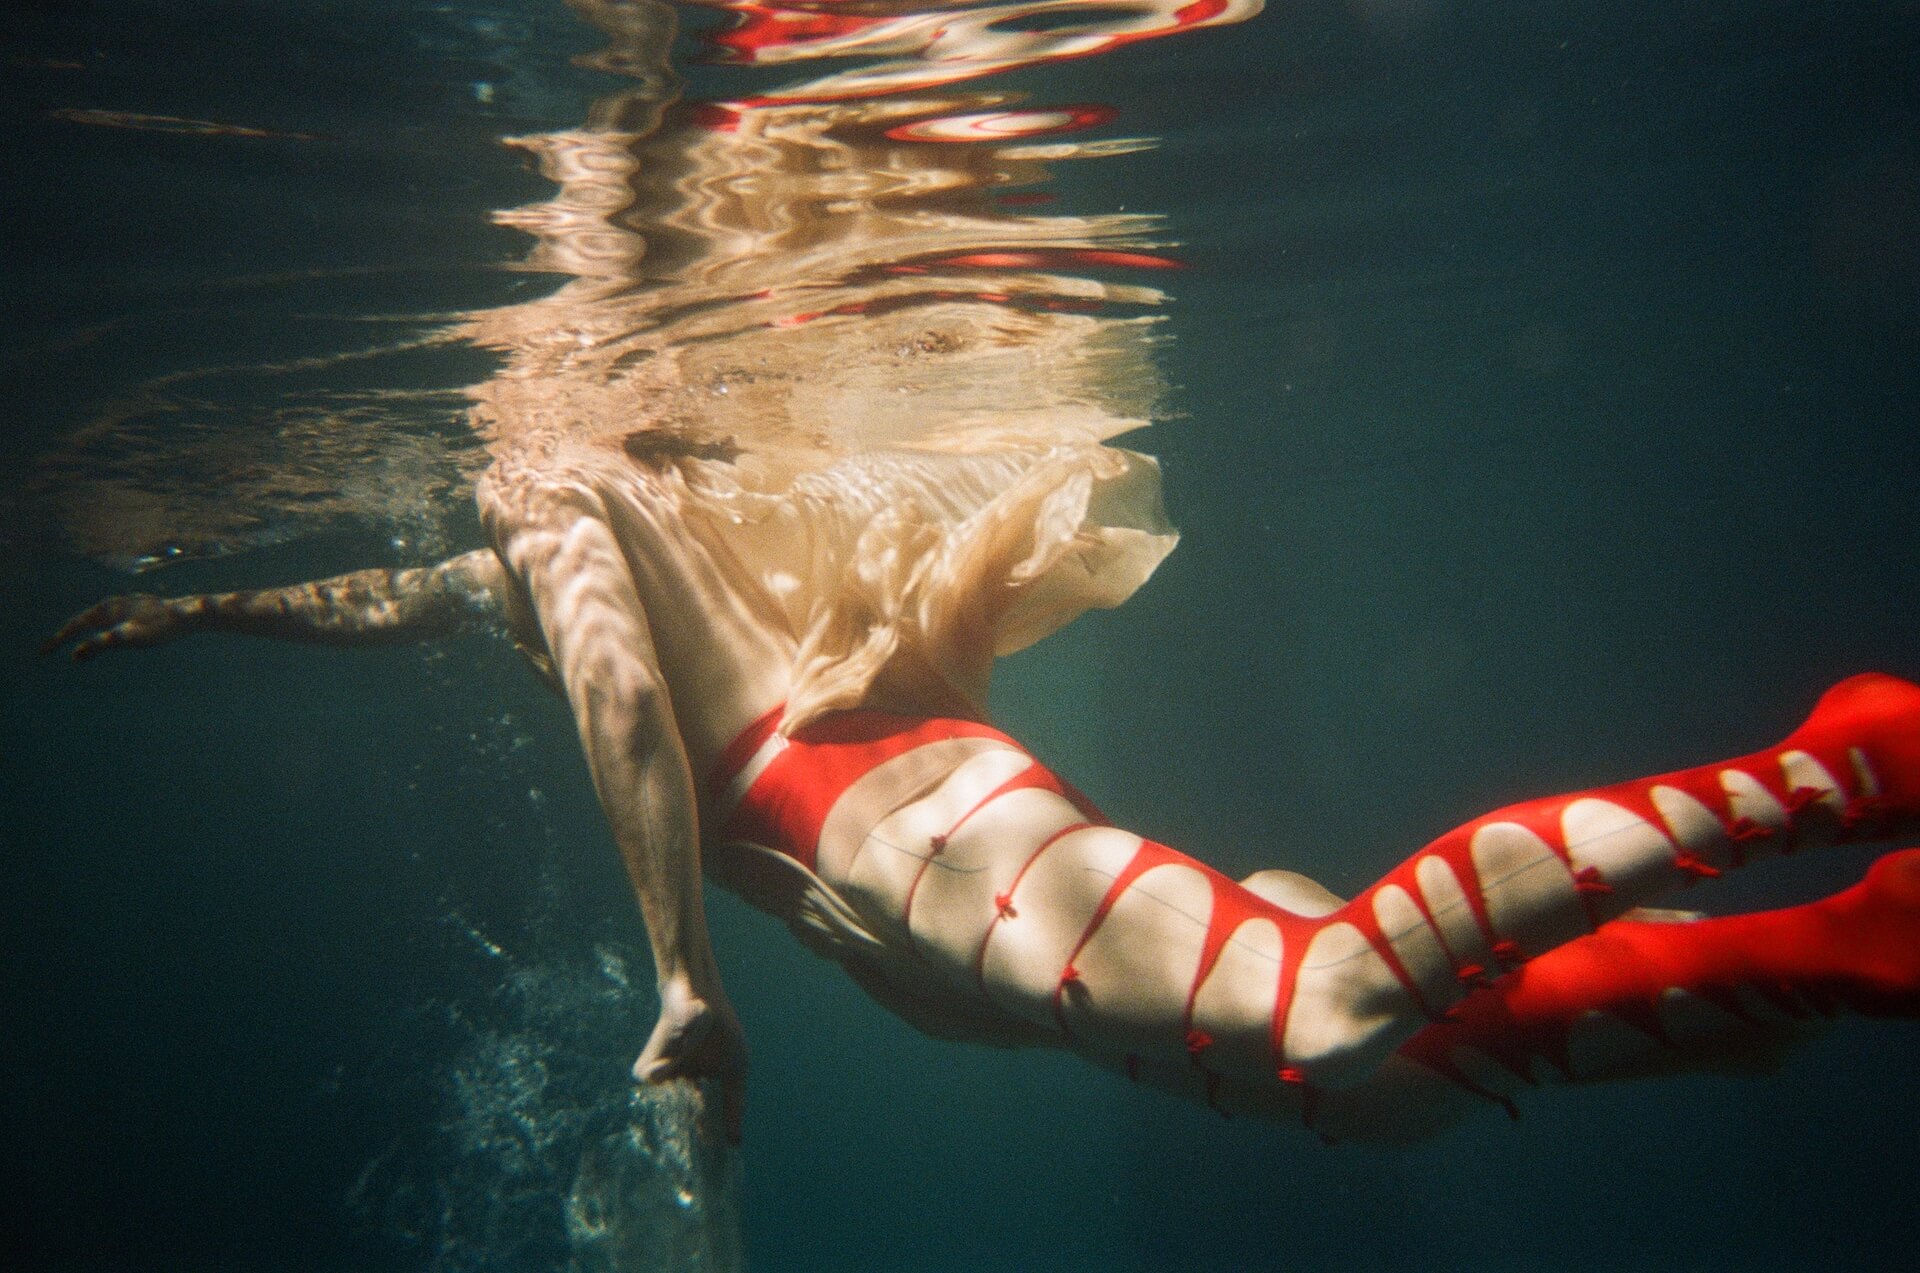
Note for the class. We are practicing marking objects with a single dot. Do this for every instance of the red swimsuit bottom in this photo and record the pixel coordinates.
(778, 792)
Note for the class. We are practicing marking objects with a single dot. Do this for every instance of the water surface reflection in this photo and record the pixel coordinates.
(869, 257)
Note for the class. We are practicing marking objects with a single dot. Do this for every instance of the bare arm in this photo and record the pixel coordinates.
(363, 608)
(583, 595)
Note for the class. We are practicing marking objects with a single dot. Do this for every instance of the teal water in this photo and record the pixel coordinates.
(1544, 385)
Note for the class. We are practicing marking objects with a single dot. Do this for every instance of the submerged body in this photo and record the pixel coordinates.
(778, 677)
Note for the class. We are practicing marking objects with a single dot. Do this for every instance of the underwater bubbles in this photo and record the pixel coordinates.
(657, 1192)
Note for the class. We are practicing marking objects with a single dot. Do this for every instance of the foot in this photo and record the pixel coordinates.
(1872, 719)
(1880, 919)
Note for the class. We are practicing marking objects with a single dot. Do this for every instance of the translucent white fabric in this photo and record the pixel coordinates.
(899, 575)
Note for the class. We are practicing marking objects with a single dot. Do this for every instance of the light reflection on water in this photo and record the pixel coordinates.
(785, 267)
(865, 257)
(870, 257)
(1431, 608)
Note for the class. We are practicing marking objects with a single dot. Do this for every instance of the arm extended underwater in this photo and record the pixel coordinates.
(626, 724)
(365, 607)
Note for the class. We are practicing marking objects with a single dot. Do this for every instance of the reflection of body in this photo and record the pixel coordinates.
(792, 671)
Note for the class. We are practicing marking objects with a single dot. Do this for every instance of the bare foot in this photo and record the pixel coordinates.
(1881, 918)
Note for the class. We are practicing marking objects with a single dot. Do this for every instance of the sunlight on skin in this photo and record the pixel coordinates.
(817, 430)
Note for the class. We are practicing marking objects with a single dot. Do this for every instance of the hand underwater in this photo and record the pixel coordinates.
(137, 619)
(698, 1037)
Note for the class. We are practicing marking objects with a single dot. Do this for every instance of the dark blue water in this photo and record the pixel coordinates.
(1545, 386)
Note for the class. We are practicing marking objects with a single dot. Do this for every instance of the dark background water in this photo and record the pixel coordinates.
(1546, 376)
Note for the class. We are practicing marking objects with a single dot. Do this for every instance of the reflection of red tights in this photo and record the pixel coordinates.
(1859, 950)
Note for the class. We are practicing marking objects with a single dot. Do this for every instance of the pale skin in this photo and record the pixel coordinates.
(571, 603)
(664, 663)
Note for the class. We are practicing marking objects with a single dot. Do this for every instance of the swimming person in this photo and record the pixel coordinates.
(820, 426)
(779, 680)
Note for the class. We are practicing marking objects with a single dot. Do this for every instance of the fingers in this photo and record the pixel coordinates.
(116, 636)
(134, 620)
(675, 1049)
(704, 1048)
(100, 615)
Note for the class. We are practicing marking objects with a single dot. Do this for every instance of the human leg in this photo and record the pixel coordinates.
(1520, 882)
(1636, 998)
(1139, 954)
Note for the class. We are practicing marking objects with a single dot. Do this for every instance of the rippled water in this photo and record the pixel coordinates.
(1536, 386)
